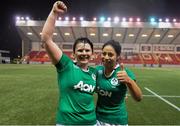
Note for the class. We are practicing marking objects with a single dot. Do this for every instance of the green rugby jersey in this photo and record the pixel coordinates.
(76, 87)
(111, 107)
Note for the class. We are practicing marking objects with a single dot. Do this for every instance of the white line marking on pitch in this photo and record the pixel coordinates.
(163, 99)
(164, 96)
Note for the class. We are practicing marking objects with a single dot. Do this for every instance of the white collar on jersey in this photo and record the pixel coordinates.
(81, 68)
(85, 70)
(117, 65)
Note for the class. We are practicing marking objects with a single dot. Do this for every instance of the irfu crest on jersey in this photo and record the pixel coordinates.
(114, 82)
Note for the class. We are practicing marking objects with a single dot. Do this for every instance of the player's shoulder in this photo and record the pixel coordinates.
(99, 67)
(92, 69)
(130, 73)
(128, 70)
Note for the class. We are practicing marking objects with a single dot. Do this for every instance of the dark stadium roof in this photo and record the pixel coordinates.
(39, 10)
(99, 32)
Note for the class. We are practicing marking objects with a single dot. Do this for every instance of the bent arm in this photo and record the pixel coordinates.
(131, 84)
(54, 52)
(134, 89)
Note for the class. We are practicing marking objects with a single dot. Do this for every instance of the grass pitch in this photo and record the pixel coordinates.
(29, 95)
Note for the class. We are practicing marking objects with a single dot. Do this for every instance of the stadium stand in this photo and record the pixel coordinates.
(143, 43)
(142, 58)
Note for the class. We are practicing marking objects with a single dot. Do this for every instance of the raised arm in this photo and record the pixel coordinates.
(54, 52)
(131, 84)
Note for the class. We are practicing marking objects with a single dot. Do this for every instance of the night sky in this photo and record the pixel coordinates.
(39, 10)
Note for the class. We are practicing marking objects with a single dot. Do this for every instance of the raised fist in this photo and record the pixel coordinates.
(59, 7)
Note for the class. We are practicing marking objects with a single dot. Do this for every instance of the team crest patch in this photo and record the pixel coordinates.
(93, 76)
(114, 81)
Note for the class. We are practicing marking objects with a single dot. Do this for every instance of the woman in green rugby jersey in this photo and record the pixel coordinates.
(76, 82)
(112, 82)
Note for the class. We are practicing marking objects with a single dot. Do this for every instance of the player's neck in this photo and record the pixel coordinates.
(108, 71)
(84, 67)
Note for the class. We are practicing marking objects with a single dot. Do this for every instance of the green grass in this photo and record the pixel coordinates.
(29, 94)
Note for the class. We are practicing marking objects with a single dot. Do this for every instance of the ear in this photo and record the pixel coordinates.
(73, 56)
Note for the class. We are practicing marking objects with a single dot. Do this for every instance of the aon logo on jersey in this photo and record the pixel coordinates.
(84, 87)
(103, 92)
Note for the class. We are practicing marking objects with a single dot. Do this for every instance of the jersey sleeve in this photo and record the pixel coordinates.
(130, 74)
(63, 63)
